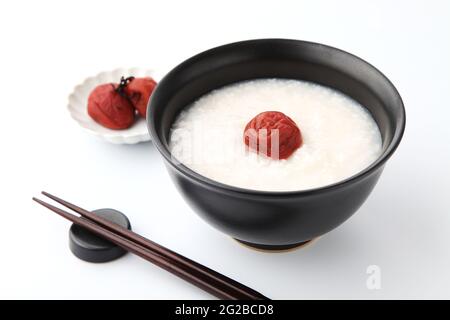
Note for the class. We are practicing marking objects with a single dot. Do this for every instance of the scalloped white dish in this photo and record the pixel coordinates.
(78, 107)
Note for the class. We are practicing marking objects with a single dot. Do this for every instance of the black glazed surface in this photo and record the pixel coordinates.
(275, 218)
(90, 247)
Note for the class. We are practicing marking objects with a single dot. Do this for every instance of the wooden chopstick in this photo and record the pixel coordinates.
(201, 276)
(206, 273)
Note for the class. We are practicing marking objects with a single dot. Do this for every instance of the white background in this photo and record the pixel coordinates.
(47, 47)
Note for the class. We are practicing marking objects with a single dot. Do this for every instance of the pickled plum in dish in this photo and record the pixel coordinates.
(108, 106)
(114, 105)
(139, 91)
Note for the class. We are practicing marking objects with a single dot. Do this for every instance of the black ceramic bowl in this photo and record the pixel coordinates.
(275, 220)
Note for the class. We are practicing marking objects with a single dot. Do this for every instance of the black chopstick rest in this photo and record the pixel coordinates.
(89, 247)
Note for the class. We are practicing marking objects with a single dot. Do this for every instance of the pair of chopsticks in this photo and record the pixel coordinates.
(203, 277)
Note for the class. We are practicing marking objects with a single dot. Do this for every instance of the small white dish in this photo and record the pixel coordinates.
(78, 107)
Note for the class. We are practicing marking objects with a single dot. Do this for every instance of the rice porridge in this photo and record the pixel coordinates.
(340, 138)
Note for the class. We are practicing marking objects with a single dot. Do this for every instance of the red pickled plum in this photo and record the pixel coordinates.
(108, 106)
(267, 126)
(139, 91)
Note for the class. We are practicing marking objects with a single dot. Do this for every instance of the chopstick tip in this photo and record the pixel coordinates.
(37, 200)
(42, 203)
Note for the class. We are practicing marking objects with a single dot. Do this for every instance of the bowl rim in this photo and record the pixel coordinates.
(213, 184)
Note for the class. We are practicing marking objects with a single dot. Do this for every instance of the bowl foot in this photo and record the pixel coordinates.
(274, 248)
